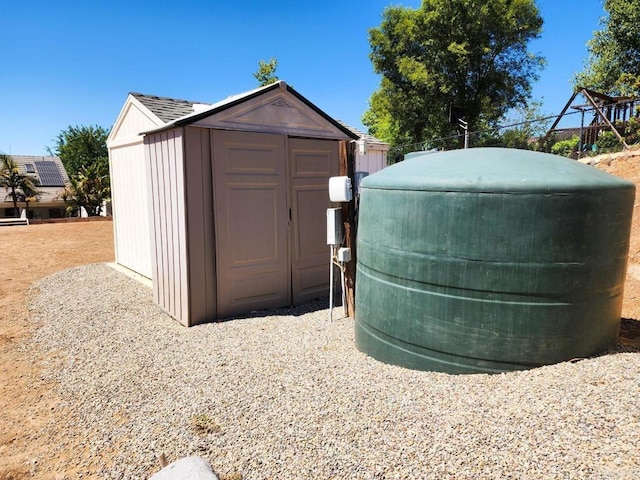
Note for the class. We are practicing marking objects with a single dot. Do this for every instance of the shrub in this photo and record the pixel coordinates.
(632, 133)
(607, 142)
(565, 147)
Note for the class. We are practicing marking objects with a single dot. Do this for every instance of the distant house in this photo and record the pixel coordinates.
(52, 176)
(371, 154)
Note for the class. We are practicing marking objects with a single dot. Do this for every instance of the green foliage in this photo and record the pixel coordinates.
(524, 126)
(379, 117)
(447, 53)
(511, 138)
(20, 186)
(80, 147)
(89, 188)
(613, 66)
(566, 147)
(607, 142)
(632, 131)
(205, 424)
(545, 143)
(266, 73)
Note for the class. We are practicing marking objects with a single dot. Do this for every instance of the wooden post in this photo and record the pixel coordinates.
(347, 168)
(604, 117)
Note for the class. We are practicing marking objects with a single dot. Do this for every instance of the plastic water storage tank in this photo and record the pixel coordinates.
(490, 260)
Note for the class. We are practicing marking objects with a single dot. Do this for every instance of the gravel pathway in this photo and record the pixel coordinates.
(286, 395)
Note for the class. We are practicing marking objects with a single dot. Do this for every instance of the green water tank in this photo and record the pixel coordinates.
(490, 260)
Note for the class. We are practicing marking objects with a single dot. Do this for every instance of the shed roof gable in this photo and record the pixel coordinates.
(134, 118)
(275, 107)
(276, 111)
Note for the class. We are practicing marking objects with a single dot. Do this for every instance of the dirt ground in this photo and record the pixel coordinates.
(28, 404)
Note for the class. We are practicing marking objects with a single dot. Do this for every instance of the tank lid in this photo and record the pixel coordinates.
(492, 170)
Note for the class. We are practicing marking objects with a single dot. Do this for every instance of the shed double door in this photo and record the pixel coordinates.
(270, 198)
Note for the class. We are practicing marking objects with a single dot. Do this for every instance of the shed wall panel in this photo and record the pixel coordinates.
(130, 204)
(200, 226)
(152, 158)
(368, 164)
(166, 162)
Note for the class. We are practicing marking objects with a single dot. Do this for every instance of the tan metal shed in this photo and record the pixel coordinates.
(237, 205)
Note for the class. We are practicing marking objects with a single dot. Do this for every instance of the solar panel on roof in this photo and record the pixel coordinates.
(49, 174)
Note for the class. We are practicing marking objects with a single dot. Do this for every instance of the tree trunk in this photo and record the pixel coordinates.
(14, 197)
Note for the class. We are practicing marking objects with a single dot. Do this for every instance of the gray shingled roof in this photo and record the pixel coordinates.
(165, 108)
(368, 138)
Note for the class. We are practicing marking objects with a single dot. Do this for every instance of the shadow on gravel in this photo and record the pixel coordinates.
(298, 310)
(628, 341)
(630, 334)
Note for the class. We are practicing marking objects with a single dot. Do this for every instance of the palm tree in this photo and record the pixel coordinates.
(20, 186)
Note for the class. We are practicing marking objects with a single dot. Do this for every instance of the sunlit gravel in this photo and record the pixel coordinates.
(285, 394)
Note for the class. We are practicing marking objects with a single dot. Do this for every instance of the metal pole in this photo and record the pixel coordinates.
(344, 295)
(581, 133)
(465, 127)
(331, 285)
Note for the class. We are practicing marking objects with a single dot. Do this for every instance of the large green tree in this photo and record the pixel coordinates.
(84, 154)
(19, 186)
(89, 188)
(613, 66)
(81, 146)
(468, 54)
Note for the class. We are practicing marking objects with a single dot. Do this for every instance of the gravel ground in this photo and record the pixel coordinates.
(286, 395)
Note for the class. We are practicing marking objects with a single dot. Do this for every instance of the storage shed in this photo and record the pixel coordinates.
(230, 216)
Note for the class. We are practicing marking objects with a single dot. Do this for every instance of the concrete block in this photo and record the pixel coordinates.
(188, 468)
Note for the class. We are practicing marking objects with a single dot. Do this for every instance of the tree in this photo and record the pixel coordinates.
(266, 73)
(21, 186)
(468, 54)
(523, 127)
(81, 146)
(613, 66)
(89, 188)
(84, 154)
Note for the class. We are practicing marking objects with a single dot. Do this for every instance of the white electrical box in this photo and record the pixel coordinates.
(334, 226)
(344, 254)
(362, 146)
(340, 189)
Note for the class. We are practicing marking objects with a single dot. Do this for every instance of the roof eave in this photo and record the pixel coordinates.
(335, 123)
(194, 117)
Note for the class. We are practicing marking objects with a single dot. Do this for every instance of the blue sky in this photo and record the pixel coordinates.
(73, 62)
